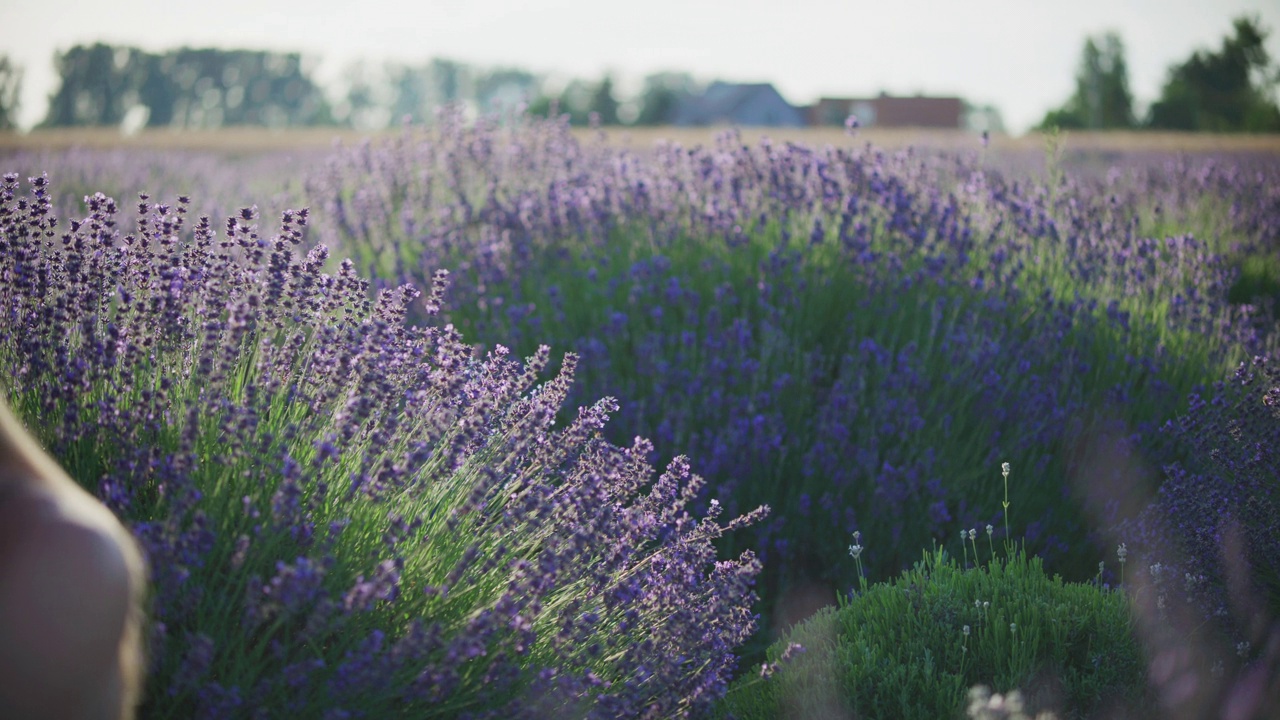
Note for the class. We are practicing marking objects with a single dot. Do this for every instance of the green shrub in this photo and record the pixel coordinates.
(900, 649)
(1258, 280)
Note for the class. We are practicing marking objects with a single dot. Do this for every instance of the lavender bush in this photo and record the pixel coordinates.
(841, 333)
(225, 182)
(1206, 549)
(847, 335)
(347, 516)
(1225, 486)
(913, 647)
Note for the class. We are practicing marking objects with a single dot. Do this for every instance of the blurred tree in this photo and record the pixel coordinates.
(660, 94)
(545, 105)
(603, 104)
(216, 87)
(1102, 99)
(449, 81)
(986, 118)
(369, 95)
(186, 87)
(411, 93)
(92, 88)
(503, 89)
(1232, 90)
(415, 92)
(10, 93)
(157, 89)
(575, 101)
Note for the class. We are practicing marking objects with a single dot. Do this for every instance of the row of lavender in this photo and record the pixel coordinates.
(854, 338)
(858, 338)
(346, 516)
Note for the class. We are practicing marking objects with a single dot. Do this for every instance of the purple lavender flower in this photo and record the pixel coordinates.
(224, 393)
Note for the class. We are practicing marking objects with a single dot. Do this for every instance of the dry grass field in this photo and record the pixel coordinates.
(256, 140)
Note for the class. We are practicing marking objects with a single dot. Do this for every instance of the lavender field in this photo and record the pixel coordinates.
(499, 421)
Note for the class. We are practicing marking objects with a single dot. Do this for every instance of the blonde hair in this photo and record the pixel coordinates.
(24, 463)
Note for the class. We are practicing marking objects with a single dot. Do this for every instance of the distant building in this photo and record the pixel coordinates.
(831, 111)
(887, 111)
(745, 105)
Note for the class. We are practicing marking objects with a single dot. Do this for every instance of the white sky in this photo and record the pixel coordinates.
(1020, 55)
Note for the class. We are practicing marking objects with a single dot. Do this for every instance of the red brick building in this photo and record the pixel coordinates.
(887, 111)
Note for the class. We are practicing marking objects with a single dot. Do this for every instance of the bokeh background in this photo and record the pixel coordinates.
(1007, 65)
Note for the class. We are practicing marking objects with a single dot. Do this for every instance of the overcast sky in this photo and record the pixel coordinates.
(1020, 55)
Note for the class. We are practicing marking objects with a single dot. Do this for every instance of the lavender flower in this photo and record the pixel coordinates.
(823, 330)
(299, 464)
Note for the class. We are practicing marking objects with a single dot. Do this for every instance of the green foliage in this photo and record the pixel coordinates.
(186, 87)
(660, 94)
(415, 92)
(1259, 280)
(900, 649)
(10, 92)
(581, 100)
(574, 101)
(1062, 118)
(1230, 90)
(1102, 99)
(603, 103)
(820, 309)
(818, 332)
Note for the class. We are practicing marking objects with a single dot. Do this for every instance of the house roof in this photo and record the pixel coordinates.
(725, 102)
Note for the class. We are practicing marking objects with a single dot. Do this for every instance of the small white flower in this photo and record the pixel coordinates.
(972, 534)
(977, 603)
(1013, 627)
(1122, 552)
(990, 530)
(963, 534)
(1004, 469)
(855, 550)
(965, 630)
(1242, 648)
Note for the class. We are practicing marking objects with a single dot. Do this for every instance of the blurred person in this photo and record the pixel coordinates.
(71, 587)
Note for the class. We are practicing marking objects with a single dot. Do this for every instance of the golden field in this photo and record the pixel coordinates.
(255, 140)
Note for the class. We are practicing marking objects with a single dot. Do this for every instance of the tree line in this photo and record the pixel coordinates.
(103, 84)
(1230, 89)
(110, 85)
